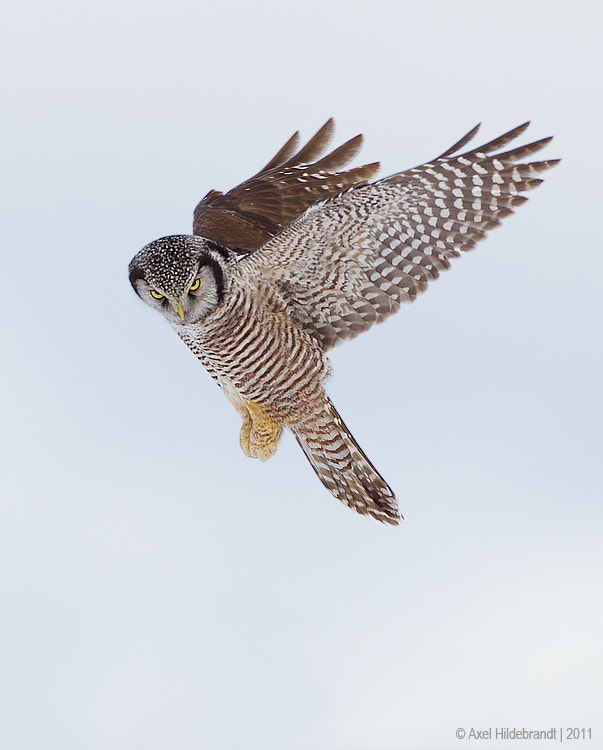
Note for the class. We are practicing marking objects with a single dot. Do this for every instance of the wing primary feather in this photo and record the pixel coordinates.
(459, 144)
(501, 141)
(340, 156)
(283, 154)
(314, 147)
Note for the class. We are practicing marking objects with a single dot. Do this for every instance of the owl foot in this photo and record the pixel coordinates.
(260, 433)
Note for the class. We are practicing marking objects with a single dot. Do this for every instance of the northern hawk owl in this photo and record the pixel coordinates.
(304, 255)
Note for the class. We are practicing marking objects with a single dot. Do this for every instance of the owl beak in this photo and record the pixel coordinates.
(180, 310)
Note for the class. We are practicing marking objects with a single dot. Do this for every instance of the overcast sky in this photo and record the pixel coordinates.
(161, 590)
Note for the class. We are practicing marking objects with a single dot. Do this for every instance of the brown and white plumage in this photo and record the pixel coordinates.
(276, 278)
(251, 213)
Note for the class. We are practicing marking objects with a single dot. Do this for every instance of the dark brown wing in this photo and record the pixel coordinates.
(250, 214)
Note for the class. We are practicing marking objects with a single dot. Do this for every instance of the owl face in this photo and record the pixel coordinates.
(182, 277)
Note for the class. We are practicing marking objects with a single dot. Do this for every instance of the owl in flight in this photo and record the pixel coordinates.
(306, 254)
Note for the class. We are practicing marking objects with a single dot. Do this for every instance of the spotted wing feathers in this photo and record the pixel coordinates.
(350, 261)
(250, 214)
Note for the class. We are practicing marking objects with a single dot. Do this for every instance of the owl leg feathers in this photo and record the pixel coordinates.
(260, 433)
(343, 468)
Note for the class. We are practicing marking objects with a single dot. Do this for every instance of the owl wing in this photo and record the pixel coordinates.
(250, 214)
(350, 261)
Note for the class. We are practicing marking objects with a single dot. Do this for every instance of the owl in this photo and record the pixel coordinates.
(306, 254)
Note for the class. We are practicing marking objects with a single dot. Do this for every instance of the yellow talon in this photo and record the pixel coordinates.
(260, 433)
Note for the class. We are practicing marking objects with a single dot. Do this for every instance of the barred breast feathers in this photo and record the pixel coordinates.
(261, 352)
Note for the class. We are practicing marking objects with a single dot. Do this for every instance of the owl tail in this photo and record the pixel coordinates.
(344, 469)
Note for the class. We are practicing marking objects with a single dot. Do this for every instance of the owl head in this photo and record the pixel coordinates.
(181, 276)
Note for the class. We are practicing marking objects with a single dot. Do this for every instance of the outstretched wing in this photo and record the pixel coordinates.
(250, 214)
(350, 261)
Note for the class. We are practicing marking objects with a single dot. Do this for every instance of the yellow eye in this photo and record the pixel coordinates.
(156, 295)
(195, 285)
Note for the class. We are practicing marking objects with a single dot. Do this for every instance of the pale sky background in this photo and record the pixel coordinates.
(161, 590)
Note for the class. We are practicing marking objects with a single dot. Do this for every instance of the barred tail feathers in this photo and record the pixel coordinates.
(344, 469)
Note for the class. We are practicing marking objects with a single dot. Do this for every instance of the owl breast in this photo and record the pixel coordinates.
(256, 353)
